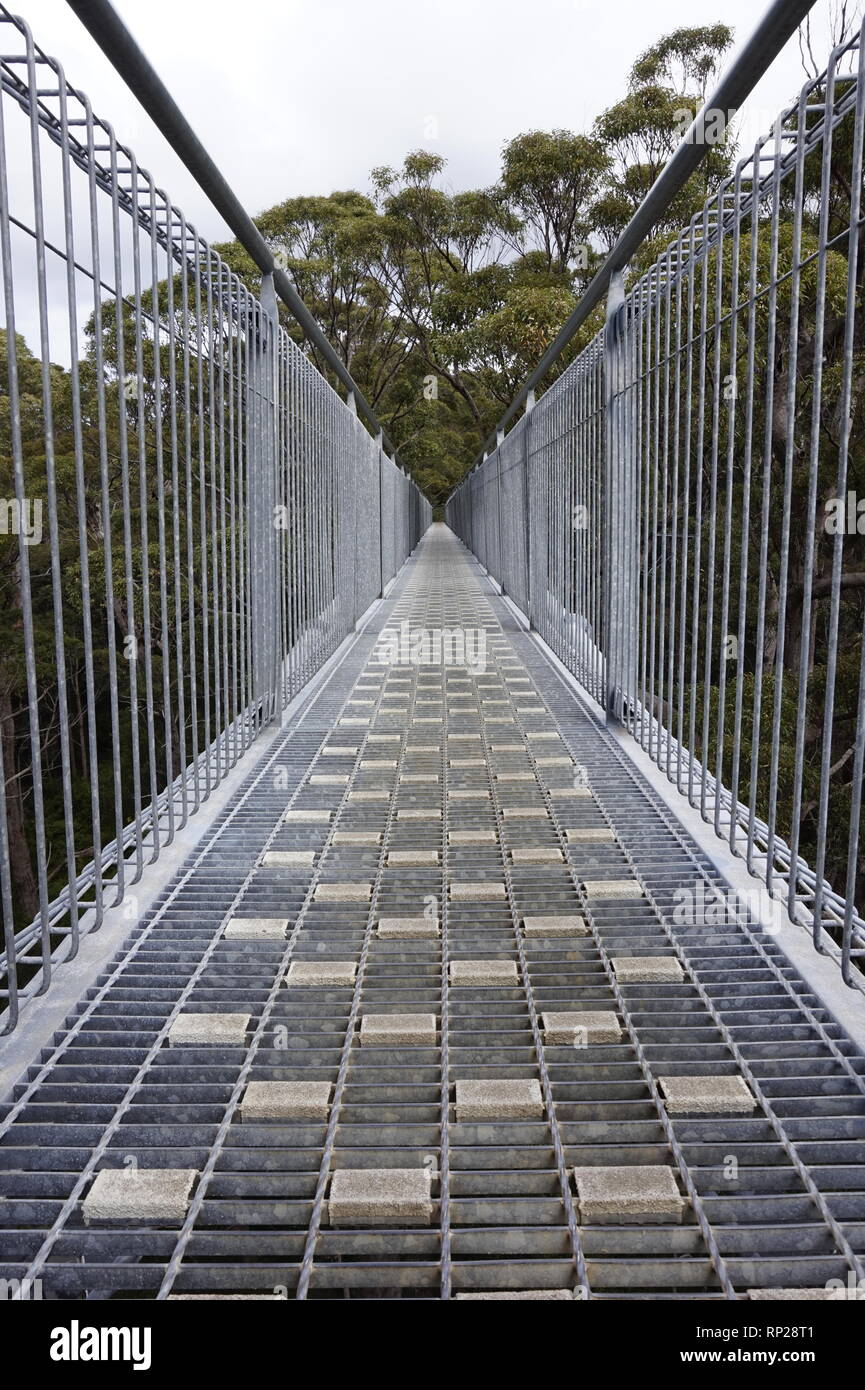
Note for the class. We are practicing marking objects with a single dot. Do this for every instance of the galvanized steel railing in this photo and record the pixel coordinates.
(192, 521)
(678, 514)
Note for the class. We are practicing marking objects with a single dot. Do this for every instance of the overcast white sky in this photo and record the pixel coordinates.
(306, 96)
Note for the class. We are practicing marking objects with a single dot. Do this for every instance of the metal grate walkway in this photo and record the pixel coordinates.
(545, 864)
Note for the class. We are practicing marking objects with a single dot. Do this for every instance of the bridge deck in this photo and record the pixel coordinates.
(774, 1196)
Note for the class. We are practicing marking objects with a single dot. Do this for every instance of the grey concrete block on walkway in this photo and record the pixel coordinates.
(343, 892)
(380, 1197)
(311, 816)
(590, 834)
(707, 1095)
(537, 854)
(648, 970)
(209, 1030)
(419, 813)
(570, 925)
(286, 1100)
(499, 1100)
(612, 888)
(477, 892)
(639, 1193)
(471, 837)
(501, 974)
(288, 859)
(398, 1030)
(559, 1295)
(335, 974)
(580, 1027)
(256, 929)
(407, 928)
(139, 1194)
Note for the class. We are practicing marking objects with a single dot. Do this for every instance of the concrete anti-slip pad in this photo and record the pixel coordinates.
(407, 929)
(288, 859)
(469, 794)
(640, 1193)
(419, 813)
(340, 751)
(471, 837)
(139, 1194)
(706, 1095)
(335, 974)
(343, 892)
(537, 854)
(380, 1197)
(525, 813)
(256, 929)
(612, 888)
(209, 1030)
(500, 974)
(499, 1100)
(477, 892)
(378, 764)
(558, 1295)
(328, 779)
(580, 1027)
(571, 925)
(589, 835)
(286, 1100)
(311, 817)
(369, 795)
(398, 1030)
(647, 970)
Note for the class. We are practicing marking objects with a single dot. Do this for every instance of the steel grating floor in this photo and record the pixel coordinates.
(773, 1199)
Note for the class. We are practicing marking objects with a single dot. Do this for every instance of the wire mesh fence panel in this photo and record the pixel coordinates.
(695, 524)
(189, 524)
